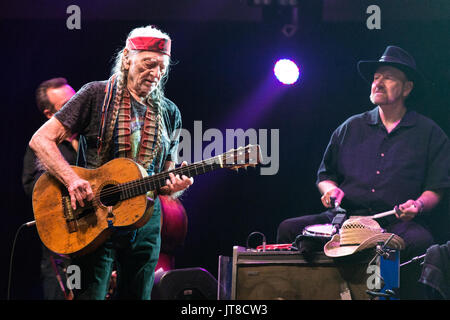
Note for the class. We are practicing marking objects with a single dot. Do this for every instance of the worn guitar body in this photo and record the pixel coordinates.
(123, 198)
(76, 232)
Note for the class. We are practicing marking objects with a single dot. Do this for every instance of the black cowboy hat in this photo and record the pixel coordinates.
(398, 58)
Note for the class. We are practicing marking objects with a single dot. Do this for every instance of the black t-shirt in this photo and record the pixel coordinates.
(32, 170)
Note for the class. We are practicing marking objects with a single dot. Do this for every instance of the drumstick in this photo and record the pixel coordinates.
(384, 214)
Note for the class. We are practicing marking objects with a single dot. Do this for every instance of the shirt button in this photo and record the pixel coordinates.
(378, 172)
(373, 190)
(382, 154)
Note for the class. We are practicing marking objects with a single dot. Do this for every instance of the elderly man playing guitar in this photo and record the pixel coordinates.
(127, 116)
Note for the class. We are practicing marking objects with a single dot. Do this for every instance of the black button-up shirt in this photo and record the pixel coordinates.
(32, 170)
(378, 170)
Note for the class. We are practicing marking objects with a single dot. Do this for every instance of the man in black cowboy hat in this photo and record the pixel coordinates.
(386, 157)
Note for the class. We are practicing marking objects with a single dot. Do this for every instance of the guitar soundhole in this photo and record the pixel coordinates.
(110, 195)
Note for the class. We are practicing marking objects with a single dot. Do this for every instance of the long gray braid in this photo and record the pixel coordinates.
(121, 84)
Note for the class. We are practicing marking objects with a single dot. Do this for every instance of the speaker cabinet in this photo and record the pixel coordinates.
(185, 284)
(287, 275)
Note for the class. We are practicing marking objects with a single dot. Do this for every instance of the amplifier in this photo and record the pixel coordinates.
(287, 275)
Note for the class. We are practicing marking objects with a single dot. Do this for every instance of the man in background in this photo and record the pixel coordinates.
(51, 95)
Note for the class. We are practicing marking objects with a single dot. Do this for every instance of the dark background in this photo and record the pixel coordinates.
(225, 51)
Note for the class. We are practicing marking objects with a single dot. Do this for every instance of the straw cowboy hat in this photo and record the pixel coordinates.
(357, 234)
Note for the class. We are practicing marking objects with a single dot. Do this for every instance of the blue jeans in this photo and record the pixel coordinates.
(133, 254)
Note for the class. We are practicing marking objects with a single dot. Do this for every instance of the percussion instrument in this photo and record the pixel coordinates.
(319, 230)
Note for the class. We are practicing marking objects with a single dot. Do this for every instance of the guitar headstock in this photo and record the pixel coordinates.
(242, 157)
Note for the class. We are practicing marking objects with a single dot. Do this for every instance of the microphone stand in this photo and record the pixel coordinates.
(381, 250)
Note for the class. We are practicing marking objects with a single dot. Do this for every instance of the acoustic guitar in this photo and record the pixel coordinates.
(123, 198)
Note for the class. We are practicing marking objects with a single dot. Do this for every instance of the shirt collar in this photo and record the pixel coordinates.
(373, 116)
(408, 120)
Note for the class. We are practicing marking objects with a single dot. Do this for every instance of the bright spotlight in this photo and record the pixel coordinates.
(286, 71)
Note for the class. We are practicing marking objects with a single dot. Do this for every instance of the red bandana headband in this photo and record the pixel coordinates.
(150, 44)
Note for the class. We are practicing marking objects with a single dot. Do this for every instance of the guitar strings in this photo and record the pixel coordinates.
(136, 183)
(159, 176)
(164, 175)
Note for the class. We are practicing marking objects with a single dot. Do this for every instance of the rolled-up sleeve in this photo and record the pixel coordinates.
(328, 167)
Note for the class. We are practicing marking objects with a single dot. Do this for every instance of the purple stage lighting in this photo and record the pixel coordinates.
(286, 71)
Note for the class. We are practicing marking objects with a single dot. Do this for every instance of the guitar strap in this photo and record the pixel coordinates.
(123, 127)
(106, 103)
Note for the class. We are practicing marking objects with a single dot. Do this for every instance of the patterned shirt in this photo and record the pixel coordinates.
(82, 115)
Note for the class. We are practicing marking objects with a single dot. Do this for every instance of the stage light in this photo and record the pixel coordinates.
(286, 71)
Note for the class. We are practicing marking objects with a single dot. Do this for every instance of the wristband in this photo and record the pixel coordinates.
(421, 205)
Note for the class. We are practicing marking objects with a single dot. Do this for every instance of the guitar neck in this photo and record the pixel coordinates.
(141, 186)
